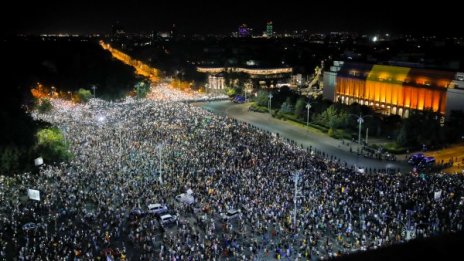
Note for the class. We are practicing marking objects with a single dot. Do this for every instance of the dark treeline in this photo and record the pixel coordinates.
(67, 65)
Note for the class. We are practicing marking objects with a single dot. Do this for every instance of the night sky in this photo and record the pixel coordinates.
(225, 16)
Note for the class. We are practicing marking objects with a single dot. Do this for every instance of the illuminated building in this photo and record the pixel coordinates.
(394, 89)
(269, 29)
(258, 76)
(244, 31)
(216, 82)
(251, 71)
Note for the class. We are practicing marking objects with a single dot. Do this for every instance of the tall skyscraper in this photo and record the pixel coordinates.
(269, 29)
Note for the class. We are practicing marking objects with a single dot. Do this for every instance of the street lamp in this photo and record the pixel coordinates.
(360, 121)
(160, 168)
(246, 90)
(308, 106)
(270, 103)
(70, 95)
(93, 88)
(297, 194)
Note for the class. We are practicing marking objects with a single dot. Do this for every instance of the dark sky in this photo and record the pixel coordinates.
(198, 16)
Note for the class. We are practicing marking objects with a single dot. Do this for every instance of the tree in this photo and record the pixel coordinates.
(9, 159)
(262, 98)
(142, 88)
(287, 106)
(300, 105)
(421, 128)
(51, 145)
(83, 95)
(231, 91)
(328, 118)
(44, 105)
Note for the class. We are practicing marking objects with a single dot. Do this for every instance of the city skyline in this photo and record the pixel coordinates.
(209, 17)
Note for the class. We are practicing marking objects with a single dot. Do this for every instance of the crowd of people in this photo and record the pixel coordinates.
(85, 208)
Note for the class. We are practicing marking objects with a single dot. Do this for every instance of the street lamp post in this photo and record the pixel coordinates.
(270, 103)
(70, 95)
(308, 106)
(360, 120)
(297, 194)
(93, 88)
(160, 156)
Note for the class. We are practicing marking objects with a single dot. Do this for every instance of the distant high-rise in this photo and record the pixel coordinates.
(244, 31)
(117, 29)
(269, 29)
(173, 31)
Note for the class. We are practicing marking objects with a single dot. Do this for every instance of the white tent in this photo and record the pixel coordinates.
(38, 161)
(33, 194)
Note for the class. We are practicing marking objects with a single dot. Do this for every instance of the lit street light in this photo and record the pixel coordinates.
(308, 106)
(160, 168)
(246, 90)
(297, 194)
(270, 103)
(94, 88)
(360, 121)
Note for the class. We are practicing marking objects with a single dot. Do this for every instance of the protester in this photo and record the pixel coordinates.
(85, 206)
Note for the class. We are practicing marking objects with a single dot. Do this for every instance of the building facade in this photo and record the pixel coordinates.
(394, 89)
(269, 31)
(216, 82)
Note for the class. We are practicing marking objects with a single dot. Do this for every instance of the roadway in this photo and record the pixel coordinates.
(301, 135)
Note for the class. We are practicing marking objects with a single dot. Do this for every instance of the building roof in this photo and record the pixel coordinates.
(397, 74)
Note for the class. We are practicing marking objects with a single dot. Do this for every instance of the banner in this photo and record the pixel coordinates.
(33, 194)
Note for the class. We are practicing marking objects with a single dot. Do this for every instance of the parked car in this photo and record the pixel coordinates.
(157, 209)
(167, 219)
(239, 99)
(416, 158)
(30, 226)
(426, 162)
(136, 213)
(231, 214)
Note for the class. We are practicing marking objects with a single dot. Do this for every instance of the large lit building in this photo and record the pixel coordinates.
(394, 89)
(258, 76)
(216, 82)
(244, 31)
(269, 31)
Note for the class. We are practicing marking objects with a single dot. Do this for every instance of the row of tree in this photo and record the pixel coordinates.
(420, 128)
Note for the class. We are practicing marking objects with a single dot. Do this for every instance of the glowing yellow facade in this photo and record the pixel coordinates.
(393, 90)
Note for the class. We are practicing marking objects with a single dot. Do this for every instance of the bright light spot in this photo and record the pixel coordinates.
(374, 39)
(101, 118)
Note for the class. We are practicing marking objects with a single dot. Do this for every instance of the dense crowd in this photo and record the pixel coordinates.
(85, 207)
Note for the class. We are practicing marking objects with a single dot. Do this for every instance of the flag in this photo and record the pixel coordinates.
(33, 194)
(437, 195)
